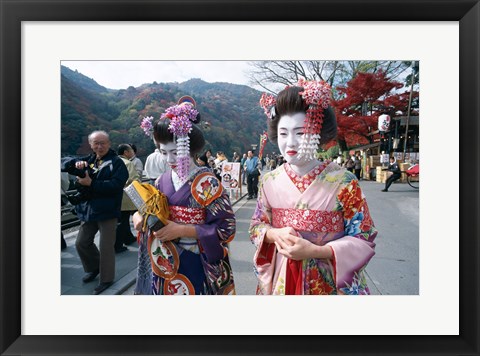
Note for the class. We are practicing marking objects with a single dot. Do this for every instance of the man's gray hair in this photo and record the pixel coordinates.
(104, 133)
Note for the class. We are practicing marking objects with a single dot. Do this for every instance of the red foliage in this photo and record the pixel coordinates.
(366, 87)
(370, 91)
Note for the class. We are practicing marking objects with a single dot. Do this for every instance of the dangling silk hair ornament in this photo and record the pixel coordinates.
(182, 116)
(317, 96)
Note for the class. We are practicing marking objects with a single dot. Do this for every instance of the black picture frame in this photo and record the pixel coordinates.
(13, 12)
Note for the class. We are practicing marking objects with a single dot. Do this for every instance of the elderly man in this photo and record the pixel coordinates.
(105, 176)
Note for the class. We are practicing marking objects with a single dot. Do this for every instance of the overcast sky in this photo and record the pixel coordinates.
(122, 74)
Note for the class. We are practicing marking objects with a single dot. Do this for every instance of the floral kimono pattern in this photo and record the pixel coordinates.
(326, 207)
(188, 266)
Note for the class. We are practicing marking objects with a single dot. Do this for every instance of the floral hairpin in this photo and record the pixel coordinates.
(147, 125)
(267, 102)
(317, 96)
(182, 116)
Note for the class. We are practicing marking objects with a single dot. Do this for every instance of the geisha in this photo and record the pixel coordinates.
(189, 255)
(312, 229)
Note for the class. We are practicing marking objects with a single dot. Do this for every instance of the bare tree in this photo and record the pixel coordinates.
(272, 76)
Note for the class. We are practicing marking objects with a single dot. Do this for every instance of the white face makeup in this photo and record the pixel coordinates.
(290, 132)
(169, 153)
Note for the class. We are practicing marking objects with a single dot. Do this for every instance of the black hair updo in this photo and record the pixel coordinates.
(289, 102)
(164, 136)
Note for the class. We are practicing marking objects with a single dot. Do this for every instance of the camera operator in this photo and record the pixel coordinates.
(105, 176)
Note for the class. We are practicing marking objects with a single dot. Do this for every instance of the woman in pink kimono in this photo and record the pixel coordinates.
(312, 228)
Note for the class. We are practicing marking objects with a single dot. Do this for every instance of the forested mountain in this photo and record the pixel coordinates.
(81, 80)
(231, 117)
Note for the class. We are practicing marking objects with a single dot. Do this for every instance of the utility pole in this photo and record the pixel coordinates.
(408, 113)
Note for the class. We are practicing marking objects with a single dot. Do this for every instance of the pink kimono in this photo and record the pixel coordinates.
(326, 207)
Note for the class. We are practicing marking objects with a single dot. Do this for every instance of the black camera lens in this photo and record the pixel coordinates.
(79, 173)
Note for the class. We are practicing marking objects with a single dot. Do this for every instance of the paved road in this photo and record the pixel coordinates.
(72, 270)
(392, 271)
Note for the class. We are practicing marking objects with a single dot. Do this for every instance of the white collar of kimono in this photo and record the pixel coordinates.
(177, 182)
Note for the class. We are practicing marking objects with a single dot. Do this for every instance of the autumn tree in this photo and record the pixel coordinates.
(361, 90)
(361, 101)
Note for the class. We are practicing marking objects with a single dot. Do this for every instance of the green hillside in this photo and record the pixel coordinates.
(231, 116)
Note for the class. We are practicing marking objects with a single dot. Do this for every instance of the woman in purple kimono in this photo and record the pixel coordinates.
(189, 255)
(311, 227)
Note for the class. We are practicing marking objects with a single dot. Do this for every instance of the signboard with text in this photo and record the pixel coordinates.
(231, 175)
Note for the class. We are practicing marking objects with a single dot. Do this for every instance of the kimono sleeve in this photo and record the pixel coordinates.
(353, 251)
(218, 229)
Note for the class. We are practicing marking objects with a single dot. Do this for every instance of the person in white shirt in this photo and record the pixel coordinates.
(155, 165)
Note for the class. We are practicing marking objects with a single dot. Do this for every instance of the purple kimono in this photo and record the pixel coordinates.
(187, 266)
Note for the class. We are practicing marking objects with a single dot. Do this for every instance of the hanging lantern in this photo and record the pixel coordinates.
(383, 122)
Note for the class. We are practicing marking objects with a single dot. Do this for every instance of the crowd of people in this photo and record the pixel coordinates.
(311, 227)
(352, 164)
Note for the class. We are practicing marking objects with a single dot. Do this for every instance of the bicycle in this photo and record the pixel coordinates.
(413, 176)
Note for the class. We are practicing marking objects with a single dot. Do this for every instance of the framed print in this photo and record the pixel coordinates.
(37, 320)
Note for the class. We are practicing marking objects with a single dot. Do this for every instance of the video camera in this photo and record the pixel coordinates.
(83, 193)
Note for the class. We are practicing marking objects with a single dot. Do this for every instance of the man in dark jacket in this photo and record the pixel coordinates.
(105, 177)
(393, 167)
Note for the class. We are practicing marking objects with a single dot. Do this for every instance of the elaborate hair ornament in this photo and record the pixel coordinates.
(267, 102)
(182, 116)
(147, 125)
(317, 95)
(187, 99)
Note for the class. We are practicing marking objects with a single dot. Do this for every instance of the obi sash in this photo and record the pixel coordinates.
(187, 215)
(320, 221)
(307, 220)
